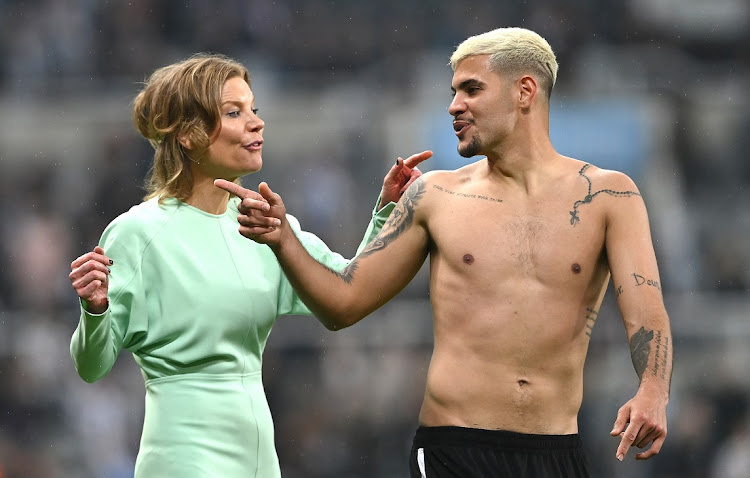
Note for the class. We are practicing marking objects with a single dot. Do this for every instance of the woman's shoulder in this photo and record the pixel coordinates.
(143, 218)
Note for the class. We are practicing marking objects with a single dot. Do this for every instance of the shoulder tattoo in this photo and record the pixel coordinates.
(574, 219)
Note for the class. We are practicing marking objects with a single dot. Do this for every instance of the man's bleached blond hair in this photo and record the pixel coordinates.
(512, 50)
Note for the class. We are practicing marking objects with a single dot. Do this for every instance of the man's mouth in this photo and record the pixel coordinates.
(460, 126)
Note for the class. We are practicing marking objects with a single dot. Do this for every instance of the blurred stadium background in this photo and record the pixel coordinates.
(655, 88)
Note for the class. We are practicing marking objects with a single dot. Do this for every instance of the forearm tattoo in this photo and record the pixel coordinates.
(574, 219)
(400, 220)
(640, 349)
(661, 356)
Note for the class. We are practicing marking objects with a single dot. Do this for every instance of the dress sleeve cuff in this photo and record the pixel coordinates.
(86, 313)
(383, 212)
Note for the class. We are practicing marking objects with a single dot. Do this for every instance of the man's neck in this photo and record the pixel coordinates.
(524, 165)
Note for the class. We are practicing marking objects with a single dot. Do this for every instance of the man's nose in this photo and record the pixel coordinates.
(457, 106)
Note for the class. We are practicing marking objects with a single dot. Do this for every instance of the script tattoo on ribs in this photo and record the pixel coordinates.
(400, 220)
(574, 219)
(591, 316)
(640, 349)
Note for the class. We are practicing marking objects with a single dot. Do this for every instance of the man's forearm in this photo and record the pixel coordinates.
(323, 290)
(651, 353)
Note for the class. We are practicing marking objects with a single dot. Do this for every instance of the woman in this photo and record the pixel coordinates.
(175, 284)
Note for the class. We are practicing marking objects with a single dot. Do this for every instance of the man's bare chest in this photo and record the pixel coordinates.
(524, 239)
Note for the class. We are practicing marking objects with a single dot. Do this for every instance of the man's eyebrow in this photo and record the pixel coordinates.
(466, 84)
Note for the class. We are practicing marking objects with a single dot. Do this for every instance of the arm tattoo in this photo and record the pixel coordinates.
(640, 280)
(660, 356)
(400, 220)
(574, 219)
(640, 349)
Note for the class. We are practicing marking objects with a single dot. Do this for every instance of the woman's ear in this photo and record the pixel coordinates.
(184, 140)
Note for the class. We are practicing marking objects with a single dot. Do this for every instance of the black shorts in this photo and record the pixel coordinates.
(455, 452)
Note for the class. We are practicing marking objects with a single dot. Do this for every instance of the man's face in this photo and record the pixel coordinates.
(482, 106)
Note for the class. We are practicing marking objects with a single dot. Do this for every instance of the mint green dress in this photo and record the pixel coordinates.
(194, 302)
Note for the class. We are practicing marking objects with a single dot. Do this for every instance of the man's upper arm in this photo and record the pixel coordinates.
(391, 260)
(631, 257)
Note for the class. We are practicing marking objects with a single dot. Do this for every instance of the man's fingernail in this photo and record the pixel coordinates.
(620, 456)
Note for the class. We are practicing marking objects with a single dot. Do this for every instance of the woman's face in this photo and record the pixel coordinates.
(237, 144)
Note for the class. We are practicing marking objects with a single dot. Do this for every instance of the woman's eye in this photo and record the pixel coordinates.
(255, 111)
(234, 114)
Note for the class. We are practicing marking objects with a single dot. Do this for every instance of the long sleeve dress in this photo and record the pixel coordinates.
(194, 302)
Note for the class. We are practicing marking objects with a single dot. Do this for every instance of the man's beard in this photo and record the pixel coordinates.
(471, 149)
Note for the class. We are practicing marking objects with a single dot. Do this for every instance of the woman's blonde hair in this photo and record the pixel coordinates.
(512, 50)
(181, 101)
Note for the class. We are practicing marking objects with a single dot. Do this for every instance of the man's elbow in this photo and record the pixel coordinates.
(340, 320)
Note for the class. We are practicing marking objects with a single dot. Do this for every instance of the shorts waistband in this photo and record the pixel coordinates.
(460, 436)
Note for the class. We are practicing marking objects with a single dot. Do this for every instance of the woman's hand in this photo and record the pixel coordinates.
(90, 278)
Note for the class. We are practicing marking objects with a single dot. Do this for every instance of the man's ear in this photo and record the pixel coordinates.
(527, 91)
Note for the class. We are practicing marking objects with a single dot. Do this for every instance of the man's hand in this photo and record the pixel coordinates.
(400, 177)
(89, 276)
(641, 421)
(262, 215)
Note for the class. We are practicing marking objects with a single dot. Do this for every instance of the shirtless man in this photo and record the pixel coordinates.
(521, 244)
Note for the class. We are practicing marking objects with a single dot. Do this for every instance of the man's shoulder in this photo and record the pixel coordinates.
(444, 176)
(600, 177)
